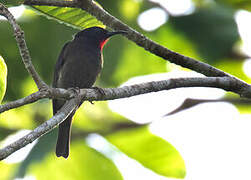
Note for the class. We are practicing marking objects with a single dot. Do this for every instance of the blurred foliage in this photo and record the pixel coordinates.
(3, 77)
(84, 163)
(213, 31)
(97, 118)
(241, 4)
(209, 33)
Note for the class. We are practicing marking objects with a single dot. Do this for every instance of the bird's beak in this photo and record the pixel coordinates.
(116, 32)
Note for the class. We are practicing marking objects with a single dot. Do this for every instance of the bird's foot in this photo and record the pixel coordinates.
(75, 91)
(100, 90)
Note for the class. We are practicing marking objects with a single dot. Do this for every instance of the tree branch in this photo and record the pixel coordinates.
(19, 35)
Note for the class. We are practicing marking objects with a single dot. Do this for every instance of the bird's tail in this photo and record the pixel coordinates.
(63, 142)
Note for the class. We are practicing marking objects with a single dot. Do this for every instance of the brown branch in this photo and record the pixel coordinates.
(19, 35)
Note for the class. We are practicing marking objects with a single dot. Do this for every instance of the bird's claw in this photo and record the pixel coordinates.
(100, 90)
(75, 91)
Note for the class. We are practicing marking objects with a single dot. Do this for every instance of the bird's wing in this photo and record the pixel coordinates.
(57, 104)
(59, 64)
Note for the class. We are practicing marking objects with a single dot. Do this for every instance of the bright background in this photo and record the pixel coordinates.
(210, 140)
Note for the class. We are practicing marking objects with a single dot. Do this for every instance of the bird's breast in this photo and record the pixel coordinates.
(81, 68)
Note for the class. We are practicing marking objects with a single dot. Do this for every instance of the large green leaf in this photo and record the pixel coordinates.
(74, 17)
(83, 163)
(150, 150)
(3, 76)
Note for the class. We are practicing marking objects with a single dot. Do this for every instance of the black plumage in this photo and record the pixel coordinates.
(78, 66)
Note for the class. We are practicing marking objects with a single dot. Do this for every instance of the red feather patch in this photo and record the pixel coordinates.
(103, 43)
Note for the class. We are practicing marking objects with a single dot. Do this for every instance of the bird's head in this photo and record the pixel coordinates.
(97, 35)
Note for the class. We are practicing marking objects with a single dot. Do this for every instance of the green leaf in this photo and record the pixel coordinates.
(83, 163)
(151, 151)
(74, 17)
(3, 76)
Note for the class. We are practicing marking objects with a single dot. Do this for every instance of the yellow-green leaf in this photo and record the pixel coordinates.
(3, 76)
(74, 17)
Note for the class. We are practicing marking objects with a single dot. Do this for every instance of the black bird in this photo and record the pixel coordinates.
(78, 66)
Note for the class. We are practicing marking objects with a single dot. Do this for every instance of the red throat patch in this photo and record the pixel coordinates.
(103, 43)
